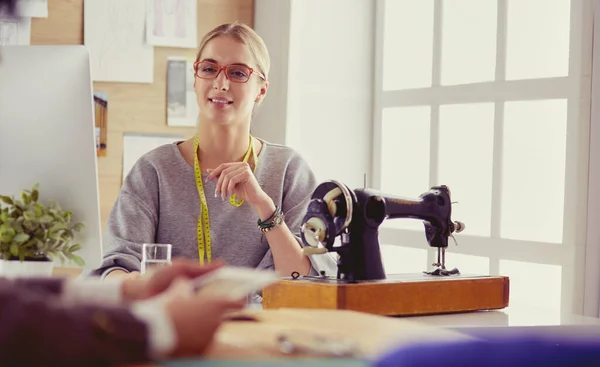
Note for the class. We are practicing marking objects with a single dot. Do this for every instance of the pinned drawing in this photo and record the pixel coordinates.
(15, 32)
(182, 107)
(101, 119)
(114, 34)
(172, 23)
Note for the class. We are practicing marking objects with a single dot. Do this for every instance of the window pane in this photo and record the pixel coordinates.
(533, 286)
(466, 264)
(468, 41)
(533, 170)
(405, 156)
(402, 260)
(465, 129)
(537, 43)
(407, 44)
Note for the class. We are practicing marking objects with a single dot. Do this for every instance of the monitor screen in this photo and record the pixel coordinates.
(47, 134)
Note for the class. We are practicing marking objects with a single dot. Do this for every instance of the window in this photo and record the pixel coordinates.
(489, 97)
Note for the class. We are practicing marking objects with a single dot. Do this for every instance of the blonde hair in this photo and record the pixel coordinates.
(247, 36)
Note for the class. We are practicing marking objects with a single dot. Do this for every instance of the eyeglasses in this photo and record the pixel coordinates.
(234, 73)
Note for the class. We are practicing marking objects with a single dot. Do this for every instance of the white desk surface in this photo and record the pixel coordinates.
(507, 317)
(514, 317)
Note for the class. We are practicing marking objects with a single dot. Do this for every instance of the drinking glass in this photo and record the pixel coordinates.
(155, 255)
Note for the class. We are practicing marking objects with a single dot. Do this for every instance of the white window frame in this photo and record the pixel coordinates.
(591, 300)
(570, 254)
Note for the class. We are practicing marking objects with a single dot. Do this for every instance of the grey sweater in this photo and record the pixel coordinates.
(159, 203)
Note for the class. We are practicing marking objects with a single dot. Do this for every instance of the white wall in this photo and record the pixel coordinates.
(272, 22)
(321, 85)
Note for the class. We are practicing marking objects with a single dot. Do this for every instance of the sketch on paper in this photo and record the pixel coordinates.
(15, 32)
(182, 107)
(172, 23)
(114, 34)
(32, 8)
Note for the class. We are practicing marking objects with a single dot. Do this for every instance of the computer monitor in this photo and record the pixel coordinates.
(47, 134)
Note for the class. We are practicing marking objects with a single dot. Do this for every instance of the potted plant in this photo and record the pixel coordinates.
(33, 235)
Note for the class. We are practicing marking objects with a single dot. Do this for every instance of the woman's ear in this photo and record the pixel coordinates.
(262, 92)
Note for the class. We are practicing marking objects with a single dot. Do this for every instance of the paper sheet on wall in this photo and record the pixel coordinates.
(32, 8)
(172, 23)
(136, 145)
(15, 31)
(182, 108)
(114, 34)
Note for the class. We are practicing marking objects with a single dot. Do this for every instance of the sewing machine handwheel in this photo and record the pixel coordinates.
(340, 202)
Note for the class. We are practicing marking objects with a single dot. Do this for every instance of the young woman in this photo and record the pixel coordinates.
(222, 194)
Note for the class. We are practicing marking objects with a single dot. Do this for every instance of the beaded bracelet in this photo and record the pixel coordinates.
(275, 220)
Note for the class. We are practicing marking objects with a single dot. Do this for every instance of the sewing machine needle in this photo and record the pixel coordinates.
(443, 258)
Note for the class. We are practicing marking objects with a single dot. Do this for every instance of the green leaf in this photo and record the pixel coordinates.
(29, 244)
(75, 247)
(26, 198)
(57, 227)
(29, 215)
(7, 200)
(20, 238)
(14, 250)
(6, 230)
(29, 225)
(67, 216)
(5, 218)
(45, 219)
(78, 261)
(35, 194)
(78, 227)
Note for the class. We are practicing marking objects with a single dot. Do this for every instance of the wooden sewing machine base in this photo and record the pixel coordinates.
(399, 295)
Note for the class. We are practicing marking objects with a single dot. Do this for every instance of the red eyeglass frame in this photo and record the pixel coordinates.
(225, 67)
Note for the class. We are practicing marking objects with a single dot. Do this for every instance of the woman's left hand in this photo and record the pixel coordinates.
(237, 178)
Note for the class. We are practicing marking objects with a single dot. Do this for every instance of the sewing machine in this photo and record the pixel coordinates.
(353, 217)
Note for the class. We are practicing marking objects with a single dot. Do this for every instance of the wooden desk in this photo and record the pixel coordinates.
(66, 272)
(257, 340)
(373, 335)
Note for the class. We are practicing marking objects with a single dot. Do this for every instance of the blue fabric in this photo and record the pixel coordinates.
(499, 351)
(300, 362)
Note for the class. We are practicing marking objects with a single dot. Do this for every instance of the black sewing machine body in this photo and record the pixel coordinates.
(346, 222)
(355, 216)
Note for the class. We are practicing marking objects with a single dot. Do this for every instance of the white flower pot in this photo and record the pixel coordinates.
(16, 268)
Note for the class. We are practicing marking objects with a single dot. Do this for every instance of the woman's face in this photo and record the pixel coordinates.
(222, 100)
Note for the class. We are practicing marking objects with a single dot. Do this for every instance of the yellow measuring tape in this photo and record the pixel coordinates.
(203, 228)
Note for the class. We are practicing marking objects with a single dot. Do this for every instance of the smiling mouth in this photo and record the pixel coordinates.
(221, 101)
